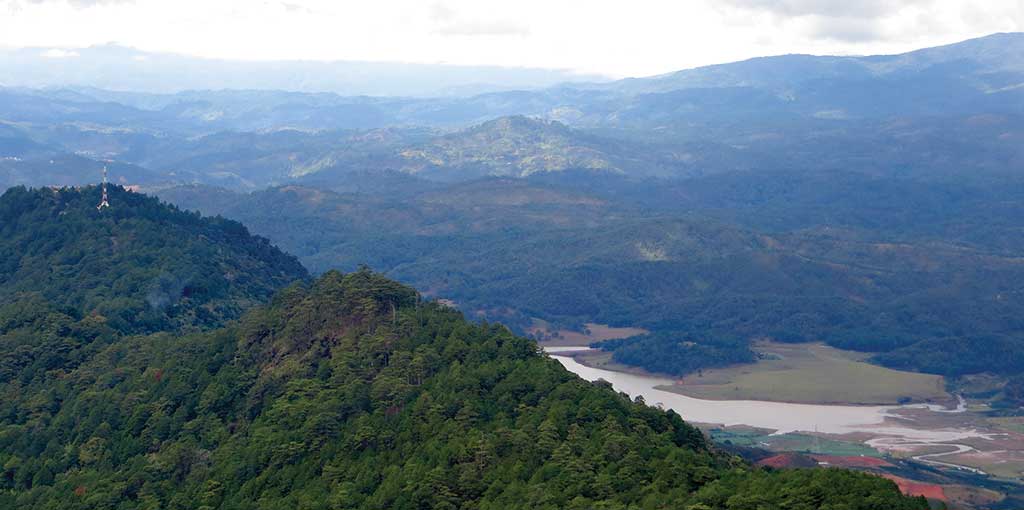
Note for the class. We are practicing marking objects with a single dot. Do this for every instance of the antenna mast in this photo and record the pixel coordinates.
(103, 201)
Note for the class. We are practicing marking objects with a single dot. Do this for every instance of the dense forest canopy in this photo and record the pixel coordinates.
(352, 392)
(712, 260)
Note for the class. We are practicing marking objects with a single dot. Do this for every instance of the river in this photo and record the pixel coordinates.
(782, 417)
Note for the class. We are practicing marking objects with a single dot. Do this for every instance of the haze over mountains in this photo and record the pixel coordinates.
(945, 108)
(127, 69)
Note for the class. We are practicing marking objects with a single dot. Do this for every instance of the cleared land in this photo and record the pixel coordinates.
(592, 332)
(814, 374)
(961, 496)
(1004, 464)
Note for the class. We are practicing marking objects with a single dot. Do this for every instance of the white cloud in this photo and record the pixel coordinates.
(612, 37)
(78, 3)
(452, 22)
(843, 21)
(58, 53)
(827, 8)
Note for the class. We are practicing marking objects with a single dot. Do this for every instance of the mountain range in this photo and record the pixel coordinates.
(799, 196)
(246, 356)
(953, 111)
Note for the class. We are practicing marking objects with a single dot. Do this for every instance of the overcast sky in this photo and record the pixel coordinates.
(611, 37)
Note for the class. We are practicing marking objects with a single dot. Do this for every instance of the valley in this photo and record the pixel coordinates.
(950, 435)
(560, 263)
(777, 416)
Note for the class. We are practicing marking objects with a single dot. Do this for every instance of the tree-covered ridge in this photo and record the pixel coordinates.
(351, 392)
(678, 352)
(142, 265)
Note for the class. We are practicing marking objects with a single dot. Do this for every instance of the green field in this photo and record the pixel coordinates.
(1010, 423)
(812, 373)
(792, 442)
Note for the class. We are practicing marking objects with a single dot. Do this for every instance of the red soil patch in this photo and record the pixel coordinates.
(851, 461)
(908, 487)
(788, 460)
(912, 488)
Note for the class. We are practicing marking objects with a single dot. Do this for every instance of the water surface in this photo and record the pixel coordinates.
(781, 417)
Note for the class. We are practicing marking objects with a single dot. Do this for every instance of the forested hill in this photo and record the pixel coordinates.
(138, 266)
(716, 263)
(351, 392)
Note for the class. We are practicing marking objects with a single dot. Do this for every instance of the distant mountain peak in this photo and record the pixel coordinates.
(515, 146)
(515, 126)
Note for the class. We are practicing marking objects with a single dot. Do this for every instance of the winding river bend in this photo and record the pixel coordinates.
(782, 417)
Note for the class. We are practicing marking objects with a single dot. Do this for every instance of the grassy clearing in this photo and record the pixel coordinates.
(812, 373)
(1009, 423)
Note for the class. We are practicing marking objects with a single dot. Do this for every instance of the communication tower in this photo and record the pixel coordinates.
(103, 201)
